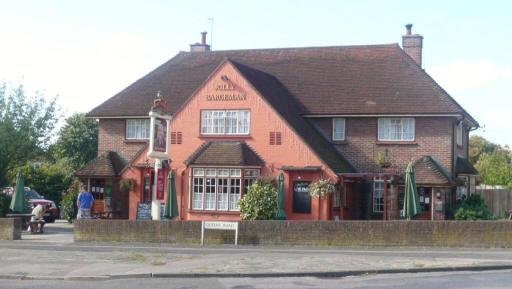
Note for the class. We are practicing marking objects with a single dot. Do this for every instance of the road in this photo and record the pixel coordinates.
(452, 280)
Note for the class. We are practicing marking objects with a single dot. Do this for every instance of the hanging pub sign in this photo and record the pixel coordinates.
(160, 121)
(160, 185)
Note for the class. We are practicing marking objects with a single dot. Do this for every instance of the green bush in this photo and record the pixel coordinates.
(473, 208)
(69, 208)
(260, 202)
(5, 201)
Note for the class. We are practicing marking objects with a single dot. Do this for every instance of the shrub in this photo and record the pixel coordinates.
(69, 208)
(5, 201)
(473, 208)
(260, 202)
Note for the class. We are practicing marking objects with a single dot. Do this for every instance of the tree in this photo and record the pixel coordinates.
(78, 140)
(494, 169)
(479, 145)
(26, 125)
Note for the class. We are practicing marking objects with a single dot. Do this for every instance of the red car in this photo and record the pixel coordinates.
(35, 199)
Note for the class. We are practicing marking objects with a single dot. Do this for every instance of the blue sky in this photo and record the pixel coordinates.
(86, 51)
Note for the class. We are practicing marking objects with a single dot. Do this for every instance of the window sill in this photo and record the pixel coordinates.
(237, 136)
(136, 140)
(460, 146)
(397, 142)
(213, 212)
(339, 142)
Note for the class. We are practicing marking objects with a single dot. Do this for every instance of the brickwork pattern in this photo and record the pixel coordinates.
(10, 229)
(111, 137)
(433, 136)
(488, 234)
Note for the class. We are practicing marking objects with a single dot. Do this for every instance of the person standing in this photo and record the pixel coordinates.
(84, 203)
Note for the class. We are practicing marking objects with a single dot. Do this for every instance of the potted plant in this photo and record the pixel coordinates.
(382, 159)
(321, 188)
(127, 184)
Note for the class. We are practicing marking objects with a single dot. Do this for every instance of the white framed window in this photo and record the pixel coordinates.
(378, 195)
(219, 188)
(225, 121)
(460, 129)
(338, 129)
(396, 129)
(137, 128)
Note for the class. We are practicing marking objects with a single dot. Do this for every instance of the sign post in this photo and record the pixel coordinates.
(158, 149)
(219, 225)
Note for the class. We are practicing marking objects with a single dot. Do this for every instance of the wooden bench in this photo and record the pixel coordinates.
(34, 227)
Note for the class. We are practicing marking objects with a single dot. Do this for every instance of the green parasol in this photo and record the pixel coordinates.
(411, 199)
(280, 214)
(171, 203)
(18, 197)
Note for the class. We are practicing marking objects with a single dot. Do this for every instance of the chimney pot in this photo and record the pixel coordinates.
(203, 37)
(408, 29)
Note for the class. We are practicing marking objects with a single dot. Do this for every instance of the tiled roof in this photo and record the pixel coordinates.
(231, 153)
(375, 79)
(428, 170)
(108, 164)
(463, 166)
(281, 100)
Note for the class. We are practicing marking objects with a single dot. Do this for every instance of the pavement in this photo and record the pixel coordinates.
(54, 256)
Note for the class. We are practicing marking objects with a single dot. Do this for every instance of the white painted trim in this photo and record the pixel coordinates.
(344, 128)
(380, 115)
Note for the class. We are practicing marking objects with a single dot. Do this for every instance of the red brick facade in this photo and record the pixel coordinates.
(112, 137)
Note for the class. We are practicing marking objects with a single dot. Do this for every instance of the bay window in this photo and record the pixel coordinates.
(231, 122)
(137, 128)
(396, 129)
(219, 189)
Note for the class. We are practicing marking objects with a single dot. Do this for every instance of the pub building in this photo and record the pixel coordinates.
(357, 115)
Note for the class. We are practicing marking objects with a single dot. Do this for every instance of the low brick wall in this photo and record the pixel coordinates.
(10, 229)
(492, 234)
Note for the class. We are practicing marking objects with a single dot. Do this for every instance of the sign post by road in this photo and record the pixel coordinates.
(219, 225)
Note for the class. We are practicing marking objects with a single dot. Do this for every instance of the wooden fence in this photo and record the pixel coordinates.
(498, 200)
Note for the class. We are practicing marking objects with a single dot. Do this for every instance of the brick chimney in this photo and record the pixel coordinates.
(412, 44)
(200, 47)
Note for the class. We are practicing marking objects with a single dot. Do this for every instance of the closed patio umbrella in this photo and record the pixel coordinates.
(280, 214)
(411, 199)
(171, 203)
(18, 197)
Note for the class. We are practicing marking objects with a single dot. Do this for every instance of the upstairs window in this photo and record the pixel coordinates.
(137, 129)
(338, 129)
(460, 129)
(231, 122)
(396, 129)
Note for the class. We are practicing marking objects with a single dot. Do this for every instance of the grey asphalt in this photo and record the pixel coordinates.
(54, 255)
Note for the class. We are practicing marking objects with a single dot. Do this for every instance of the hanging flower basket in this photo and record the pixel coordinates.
(321, 188)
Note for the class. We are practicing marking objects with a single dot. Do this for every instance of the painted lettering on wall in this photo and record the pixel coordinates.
(225, 92)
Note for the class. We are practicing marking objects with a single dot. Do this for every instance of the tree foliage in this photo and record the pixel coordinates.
(492, 161)
(69, 207)
(26, 125)
(260, 202)
(494, 169)
(78, 140)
